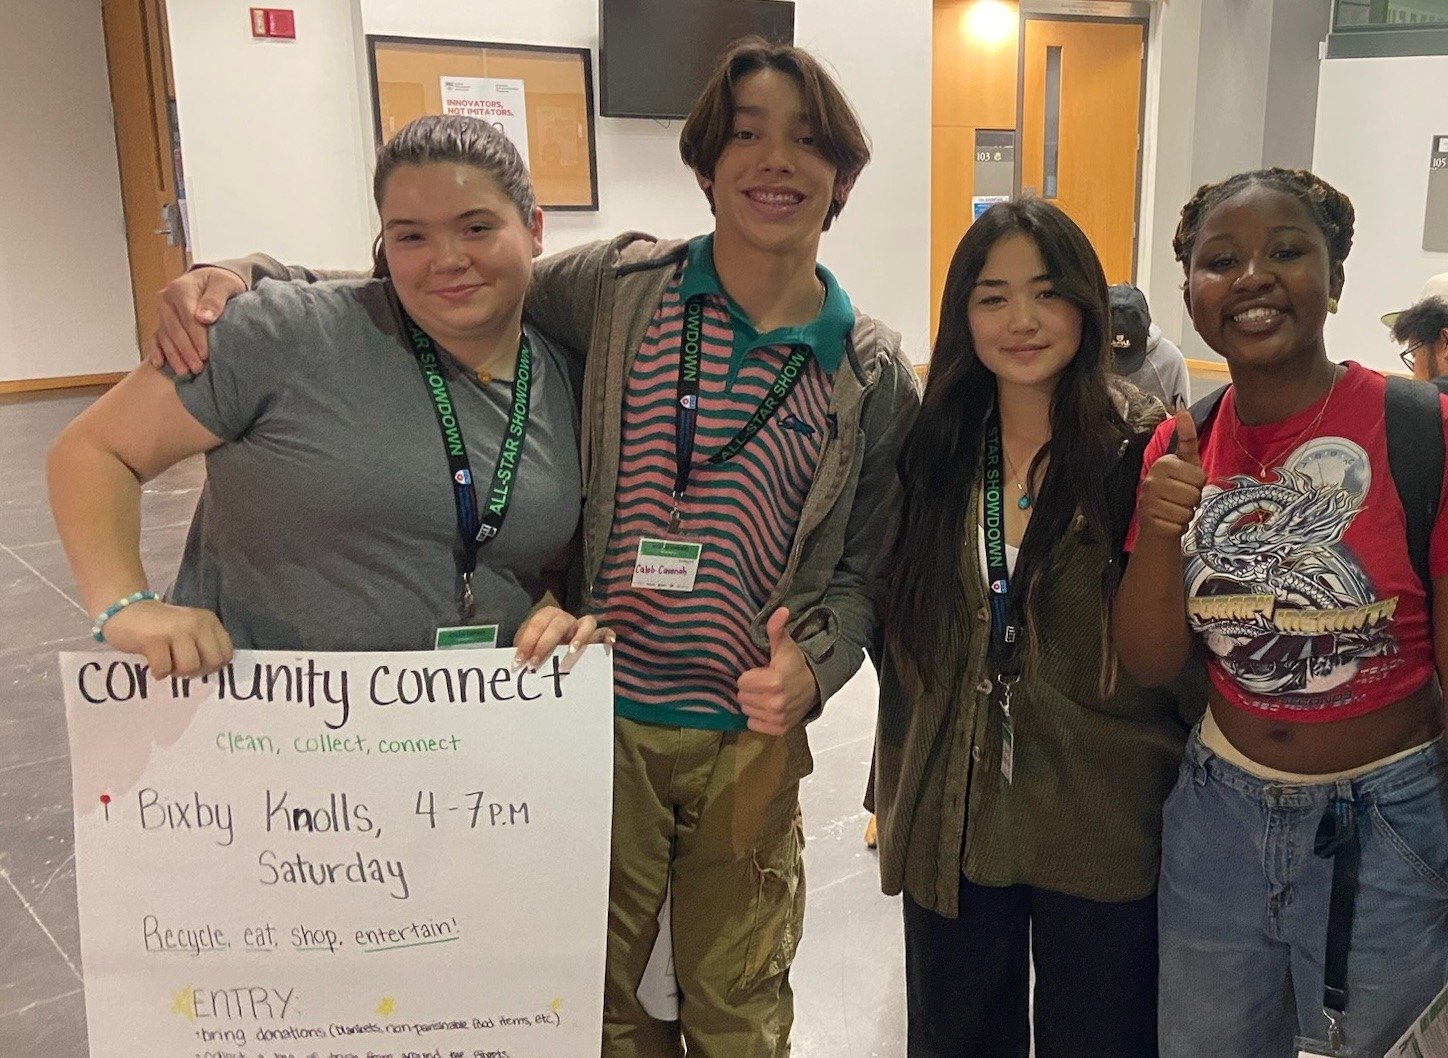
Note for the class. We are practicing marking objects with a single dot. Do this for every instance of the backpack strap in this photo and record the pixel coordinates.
(1414, 426)
(1121, 488)
(1203, 412)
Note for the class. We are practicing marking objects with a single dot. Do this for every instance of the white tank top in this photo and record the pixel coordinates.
(1011, 552)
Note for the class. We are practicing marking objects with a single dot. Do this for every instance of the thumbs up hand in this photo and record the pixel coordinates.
(778, 696)
(1186, 434)
(1173, 486)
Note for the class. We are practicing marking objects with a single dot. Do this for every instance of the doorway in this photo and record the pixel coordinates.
(143, 99)
(1070, 90)
(1080, 128)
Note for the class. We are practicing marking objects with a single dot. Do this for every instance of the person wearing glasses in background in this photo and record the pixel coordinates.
(1422, 331)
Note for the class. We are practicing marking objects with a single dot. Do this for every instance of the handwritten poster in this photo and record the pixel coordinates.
(1427, 1037)
(372, 855)
(494, 99)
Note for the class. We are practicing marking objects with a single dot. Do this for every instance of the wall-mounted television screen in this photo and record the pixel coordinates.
(654, 55)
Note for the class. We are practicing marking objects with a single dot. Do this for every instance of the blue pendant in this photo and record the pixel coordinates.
(1024, 503)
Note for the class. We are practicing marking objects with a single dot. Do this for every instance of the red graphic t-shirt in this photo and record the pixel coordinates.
(1298, 576)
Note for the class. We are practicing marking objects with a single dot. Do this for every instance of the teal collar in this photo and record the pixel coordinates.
(825, 334)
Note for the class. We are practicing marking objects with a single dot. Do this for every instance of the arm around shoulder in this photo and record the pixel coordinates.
(564, 292)
(194, 300)
(253, 268)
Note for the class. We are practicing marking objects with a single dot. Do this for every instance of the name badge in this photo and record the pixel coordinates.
(465, 637)
(666, 565)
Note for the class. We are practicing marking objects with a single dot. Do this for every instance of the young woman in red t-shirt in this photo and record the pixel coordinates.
(1275, 544)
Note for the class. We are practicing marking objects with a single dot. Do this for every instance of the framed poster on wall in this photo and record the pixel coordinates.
(540, 97)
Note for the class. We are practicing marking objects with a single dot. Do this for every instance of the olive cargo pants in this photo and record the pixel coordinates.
(713, 818)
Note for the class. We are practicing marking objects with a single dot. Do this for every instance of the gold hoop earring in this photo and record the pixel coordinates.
(1332, 304)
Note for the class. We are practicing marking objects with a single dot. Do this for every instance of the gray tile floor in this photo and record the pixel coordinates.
(848, 977)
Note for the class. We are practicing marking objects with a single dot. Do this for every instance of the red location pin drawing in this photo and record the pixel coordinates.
(106, 805)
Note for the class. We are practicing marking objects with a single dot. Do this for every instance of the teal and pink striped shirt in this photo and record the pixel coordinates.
(679, 655)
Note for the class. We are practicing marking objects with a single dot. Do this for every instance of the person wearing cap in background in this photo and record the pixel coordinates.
(1422, 330)
(1143, 357)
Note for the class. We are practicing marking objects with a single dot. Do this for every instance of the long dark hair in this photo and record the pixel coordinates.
(942, 456)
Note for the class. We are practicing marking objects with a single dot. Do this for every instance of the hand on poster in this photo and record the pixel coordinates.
(302, 850)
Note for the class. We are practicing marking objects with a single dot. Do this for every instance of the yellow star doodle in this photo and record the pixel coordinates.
(386, 1007)
(181, 1004)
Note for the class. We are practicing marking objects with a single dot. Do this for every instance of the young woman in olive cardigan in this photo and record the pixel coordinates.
(1019, 778)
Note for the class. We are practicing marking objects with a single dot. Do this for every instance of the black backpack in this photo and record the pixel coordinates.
(1415, 458)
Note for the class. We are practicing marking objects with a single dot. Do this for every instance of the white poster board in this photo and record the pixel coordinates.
(343, 854)
(494, 99)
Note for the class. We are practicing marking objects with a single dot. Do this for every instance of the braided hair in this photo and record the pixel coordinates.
(1329, 207)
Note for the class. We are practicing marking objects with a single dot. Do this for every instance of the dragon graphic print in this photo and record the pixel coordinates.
(1281, 602)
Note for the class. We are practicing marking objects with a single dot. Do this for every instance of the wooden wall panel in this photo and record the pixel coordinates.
(951, 149)
(973, 83)
(973, 87)
(1099, 134)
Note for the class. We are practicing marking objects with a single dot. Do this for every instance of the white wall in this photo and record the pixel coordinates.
(1231, 108)
(1294, 67)
(1207, 72)
(1375, 123)
(276, 137)
(65, 287)
(1166, 172)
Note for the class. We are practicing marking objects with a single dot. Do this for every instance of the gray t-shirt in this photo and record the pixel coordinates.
(1163, 371)
(327, 521)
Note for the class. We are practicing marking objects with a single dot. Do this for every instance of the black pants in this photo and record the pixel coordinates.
(966, 978)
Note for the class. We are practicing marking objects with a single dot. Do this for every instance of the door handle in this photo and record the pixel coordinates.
(169, 225)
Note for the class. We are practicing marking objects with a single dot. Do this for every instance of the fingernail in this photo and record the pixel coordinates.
(207, 315)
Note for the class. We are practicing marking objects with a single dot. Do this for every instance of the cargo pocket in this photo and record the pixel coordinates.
(776, 914)
(1416, 830)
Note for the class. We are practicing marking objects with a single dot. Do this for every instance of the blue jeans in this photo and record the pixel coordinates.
(1243, 908)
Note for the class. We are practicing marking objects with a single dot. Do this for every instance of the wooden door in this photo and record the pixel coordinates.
(143, 101)
(1080, 135)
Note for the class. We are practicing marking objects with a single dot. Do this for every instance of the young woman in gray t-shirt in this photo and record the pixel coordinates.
(385, 457)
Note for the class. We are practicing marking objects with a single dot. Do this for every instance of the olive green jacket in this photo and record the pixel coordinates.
(1082, 812)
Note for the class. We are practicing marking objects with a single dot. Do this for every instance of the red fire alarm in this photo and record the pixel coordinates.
(276, 22)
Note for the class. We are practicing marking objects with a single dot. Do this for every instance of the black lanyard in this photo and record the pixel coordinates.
(475, 528)
(1005, 634)
(1337, 839)
(686, 416)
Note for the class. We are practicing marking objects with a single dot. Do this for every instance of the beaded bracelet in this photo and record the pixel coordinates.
(98, 629)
